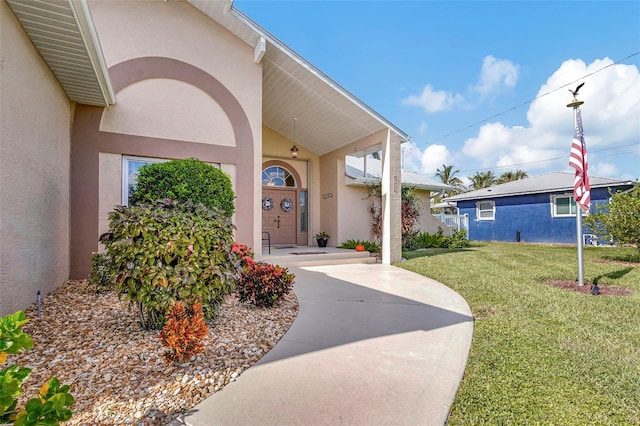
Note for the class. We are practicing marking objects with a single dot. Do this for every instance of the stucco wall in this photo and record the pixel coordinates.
(529, 214)
(426, 221)
(353, 210)
(185, 87)
(333, 172)
(34, 171)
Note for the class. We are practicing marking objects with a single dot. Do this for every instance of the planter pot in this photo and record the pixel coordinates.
(322, 242)
(360, 248)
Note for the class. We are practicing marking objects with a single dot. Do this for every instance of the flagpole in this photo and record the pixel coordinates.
(580, 242)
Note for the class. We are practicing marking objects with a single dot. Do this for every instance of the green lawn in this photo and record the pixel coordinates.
(542, 355)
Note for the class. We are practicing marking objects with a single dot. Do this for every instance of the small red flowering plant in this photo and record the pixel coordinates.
(244, 254)
(263, 284)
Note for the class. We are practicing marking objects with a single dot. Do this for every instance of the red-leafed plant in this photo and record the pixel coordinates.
(244, 253)
(263, 284)
(183, 331)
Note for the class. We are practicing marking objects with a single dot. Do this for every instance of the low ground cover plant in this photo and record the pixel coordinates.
(183, 331)
(422, 240)
(101, 274)
(540, 354)
(369, 246)
(263, 284)
(53, 401)
(167, 251)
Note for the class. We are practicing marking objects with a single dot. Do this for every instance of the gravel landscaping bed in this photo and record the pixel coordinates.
(117, 371)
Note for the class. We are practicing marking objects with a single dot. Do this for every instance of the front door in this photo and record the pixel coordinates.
(279, 215)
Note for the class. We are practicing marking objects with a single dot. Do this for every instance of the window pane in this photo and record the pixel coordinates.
(563, 206)
(277, 176)
(303, 211)
(133, 166)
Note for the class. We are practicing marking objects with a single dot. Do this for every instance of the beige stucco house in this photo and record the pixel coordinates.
(90, 90)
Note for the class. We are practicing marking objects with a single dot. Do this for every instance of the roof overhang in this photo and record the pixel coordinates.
(64, 34)
(328, 117)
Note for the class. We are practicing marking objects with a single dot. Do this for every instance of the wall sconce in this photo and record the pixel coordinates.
(294, 151)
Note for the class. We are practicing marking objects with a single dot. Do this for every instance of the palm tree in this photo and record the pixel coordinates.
(483, 180)
(510, 176)
(447, 175)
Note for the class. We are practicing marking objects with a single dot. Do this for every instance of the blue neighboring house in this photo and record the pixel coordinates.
(539, 209)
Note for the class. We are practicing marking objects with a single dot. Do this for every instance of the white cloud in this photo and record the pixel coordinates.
(602, 169)
(433, 100)
(495, 74)
(610, 118)
(433, 157)
(422, 129)
(427, 161)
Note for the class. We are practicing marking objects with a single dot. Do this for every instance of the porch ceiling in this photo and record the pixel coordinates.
(63, 33)
(328, 117)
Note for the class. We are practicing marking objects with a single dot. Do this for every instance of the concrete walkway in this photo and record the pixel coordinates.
(372, 345)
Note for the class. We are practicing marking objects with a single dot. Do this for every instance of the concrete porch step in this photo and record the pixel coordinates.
(312, 256)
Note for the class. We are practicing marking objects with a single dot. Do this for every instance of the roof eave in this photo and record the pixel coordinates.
(94, 50)
(261, 32)
(542, 191)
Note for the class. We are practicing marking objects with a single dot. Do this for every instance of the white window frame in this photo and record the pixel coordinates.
(125, 172)
(479, 211)
(572, 205)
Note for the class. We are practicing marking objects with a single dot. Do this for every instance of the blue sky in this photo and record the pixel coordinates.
(436, 69)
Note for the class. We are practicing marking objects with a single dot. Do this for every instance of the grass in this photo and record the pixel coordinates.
(542, 355)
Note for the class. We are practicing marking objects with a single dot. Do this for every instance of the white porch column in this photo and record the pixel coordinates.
(391, 199)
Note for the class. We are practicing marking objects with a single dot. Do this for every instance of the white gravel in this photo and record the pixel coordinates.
(116, 370)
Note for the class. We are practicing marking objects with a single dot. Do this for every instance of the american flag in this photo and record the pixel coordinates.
(578, 160)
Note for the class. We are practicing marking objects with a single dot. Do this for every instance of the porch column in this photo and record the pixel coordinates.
(391, 200)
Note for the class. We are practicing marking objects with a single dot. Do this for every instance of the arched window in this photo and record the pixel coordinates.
(278, 176)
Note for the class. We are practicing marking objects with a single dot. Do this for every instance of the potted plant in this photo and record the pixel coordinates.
(321, 238)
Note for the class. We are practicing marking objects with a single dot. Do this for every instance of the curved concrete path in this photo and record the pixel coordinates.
(372, 345)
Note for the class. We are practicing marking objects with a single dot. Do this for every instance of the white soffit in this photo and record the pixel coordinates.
(63, 33)
(328, 116)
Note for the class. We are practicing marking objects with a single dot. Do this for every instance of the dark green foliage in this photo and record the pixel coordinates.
(263, 284)
(368, 245)
(425, 240)
(410, 211)
(185, 180)
(101, 271)
(619, 219)
(458, 239)
(168, 251)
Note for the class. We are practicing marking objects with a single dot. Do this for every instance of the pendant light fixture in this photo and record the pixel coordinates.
(294, 148)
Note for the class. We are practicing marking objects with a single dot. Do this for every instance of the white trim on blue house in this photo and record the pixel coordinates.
(481, 213)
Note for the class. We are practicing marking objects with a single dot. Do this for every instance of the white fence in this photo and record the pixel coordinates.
(454, 221)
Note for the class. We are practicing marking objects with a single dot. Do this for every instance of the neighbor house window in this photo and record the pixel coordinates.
(486, 210)
(130, 167)
(563, 206)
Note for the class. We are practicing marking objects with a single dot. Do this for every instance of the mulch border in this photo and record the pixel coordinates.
(610, 290)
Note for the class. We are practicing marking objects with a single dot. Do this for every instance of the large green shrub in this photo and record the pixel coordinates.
(185, 180)
(168, 251)
(619, 219)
